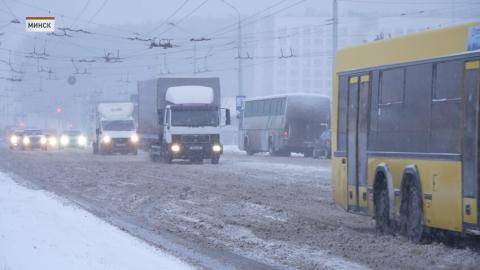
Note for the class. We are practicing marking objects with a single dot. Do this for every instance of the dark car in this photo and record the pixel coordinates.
(323, 145)
(33, 139)
(73, 138)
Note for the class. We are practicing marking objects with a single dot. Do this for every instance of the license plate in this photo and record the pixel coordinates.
(120, 145)
(196, 147)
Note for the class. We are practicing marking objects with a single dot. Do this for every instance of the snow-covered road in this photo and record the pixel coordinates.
(248, 212)
(38, 230)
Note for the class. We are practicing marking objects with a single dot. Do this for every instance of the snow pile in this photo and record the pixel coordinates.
(189, 94)
(38, 231)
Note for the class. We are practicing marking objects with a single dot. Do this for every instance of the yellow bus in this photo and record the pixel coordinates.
(405, 131)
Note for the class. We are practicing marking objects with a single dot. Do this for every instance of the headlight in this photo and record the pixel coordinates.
(106, 139)
(175, 148)
(64, 140)
(82, 140)
(216, 148)
(43, 140)
(52, 141)
(14, 140)
(26, 140)
(134, 138)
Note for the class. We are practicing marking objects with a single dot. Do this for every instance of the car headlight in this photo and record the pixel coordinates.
(52, 141)
(175, 148)
(82, 140)
(26, 140)
(106, 139)
(43, 140)
(134, 138)
(14, 140)
(216, 148)
(64, 140)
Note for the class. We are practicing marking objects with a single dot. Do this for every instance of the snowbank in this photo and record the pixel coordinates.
(40, 231)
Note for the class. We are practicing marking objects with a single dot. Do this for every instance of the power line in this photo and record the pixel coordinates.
(185, 17)
(168, 18)
(98, 11)
(9, 10)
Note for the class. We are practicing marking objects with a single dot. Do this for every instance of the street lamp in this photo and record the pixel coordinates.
(239, 46)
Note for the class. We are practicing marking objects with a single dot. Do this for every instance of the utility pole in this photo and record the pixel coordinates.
(334, 32)
(195, 57)
(240, 58)
(239, 47)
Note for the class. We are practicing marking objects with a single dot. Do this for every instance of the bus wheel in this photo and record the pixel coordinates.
(412, 215)
(381, 201)
(271, 149)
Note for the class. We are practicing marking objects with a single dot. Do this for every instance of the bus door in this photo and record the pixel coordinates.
(471, 166)
(357, 127)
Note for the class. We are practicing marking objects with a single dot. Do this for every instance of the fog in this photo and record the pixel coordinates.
(54, 80)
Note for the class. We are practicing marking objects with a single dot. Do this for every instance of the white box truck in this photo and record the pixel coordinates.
(181, 118)
(115, 129)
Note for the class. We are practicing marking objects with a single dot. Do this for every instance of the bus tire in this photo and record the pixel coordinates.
(411, 214)
(381, 204)
(271, 148)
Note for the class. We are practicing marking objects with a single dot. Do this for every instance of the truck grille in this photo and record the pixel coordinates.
(196, 138)
(120, 140)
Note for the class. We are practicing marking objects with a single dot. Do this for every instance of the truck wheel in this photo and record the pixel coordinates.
(153, 158)
(167, 159)
(215, 160)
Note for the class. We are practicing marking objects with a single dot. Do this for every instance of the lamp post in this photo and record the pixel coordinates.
(239, 47)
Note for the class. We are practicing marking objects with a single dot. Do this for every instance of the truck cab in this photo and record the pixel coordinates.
(192, 131)
(116, 129)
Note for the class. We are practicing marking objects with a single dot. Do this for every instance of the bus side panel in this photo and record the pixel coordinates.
(441, 187)
(339, 174)
(471, 180)
(339, 140)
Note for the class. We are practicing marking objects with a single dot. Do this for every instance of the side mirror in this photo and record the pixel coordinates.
(160, 116)
(228, 121)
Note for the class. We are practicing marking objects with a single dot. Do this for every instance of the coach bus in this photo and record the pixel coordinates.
(283, 124)
(406, 131)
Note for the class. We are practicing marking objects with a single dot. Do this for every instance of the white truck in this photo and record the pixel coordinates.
(181, 118)
(115, 129)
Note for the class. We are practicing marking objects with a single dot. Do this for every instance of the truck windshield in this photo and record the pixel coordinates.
(32, 132)
(118, 125)
(195, 117)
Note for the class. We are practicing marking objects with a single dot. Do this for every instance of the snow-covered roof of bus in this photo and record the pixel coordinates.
(288, 95)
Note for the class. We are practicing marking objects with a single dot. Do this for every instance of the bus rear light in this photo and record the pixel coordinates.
(285, 133)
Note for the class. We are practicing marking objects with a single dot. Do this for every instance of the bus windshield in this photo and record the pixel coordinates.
(118, 125)
(195, 117)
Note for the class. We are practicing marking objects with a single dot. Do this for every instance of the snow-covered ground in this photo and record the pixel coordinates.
(41, 231)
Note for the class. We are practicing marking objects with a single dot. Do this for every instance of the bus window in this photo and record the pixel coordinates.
(267, 110)
(448, 80)
(392, 86)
